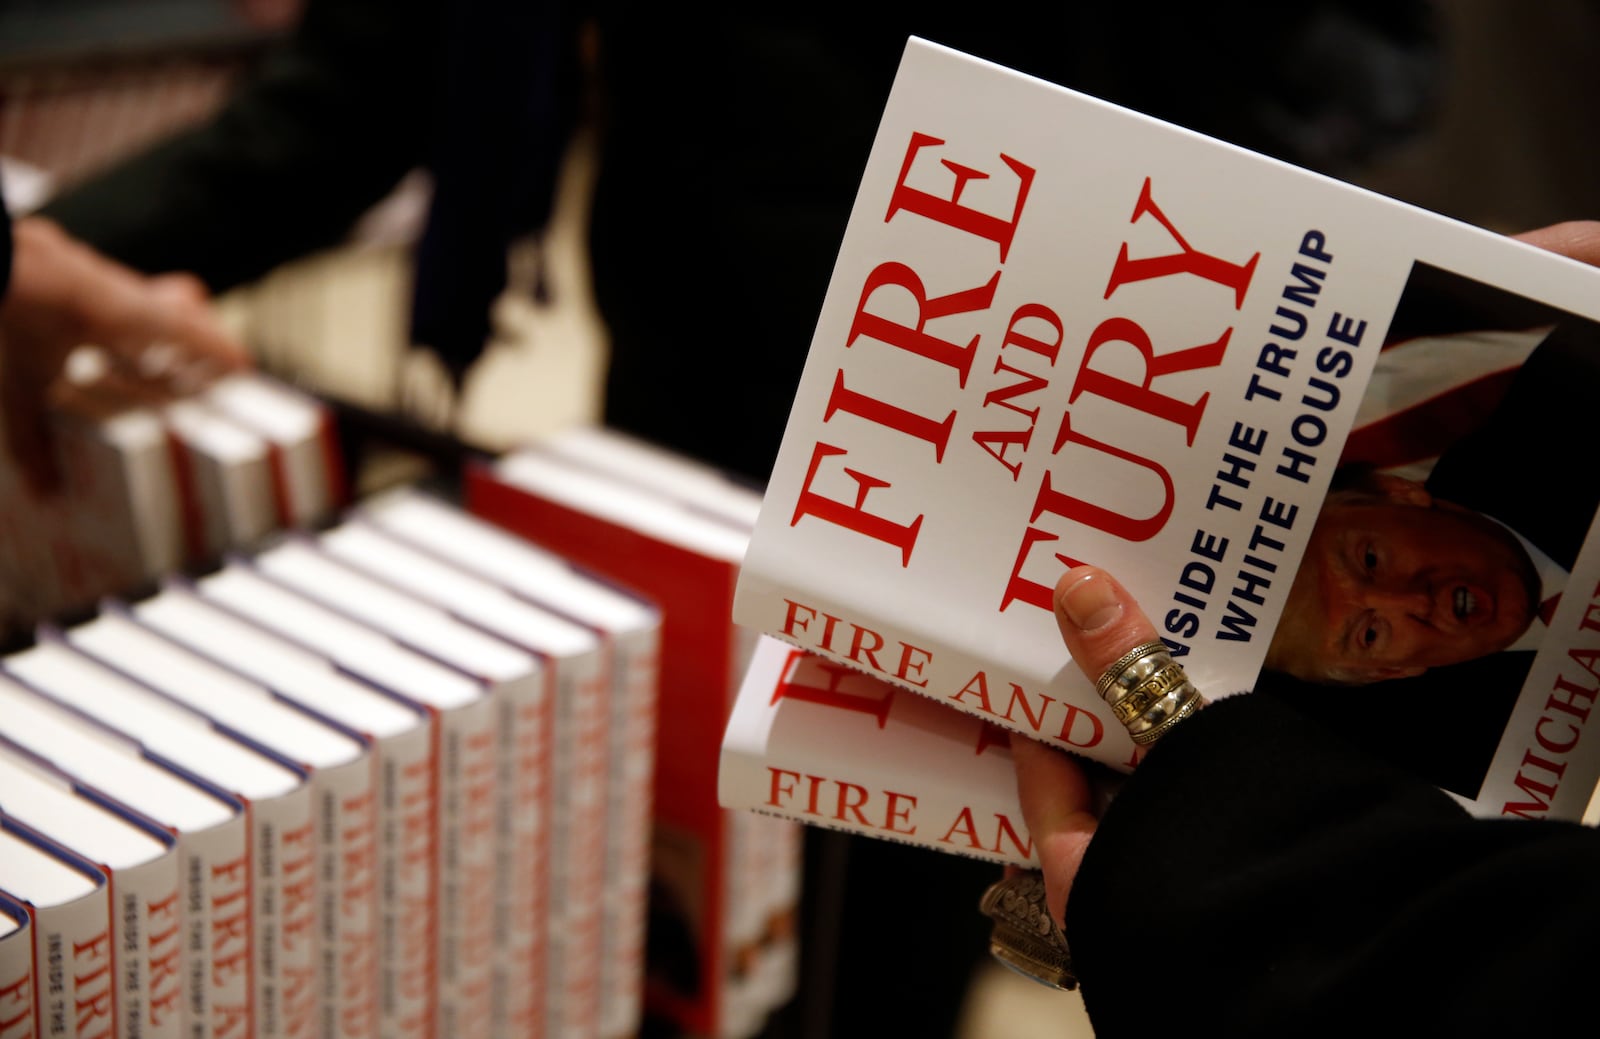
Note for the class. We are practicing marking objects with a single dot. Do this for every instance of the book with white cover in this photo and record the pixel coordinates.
(208, 825)
(225, 469)
(825, 744)
(121, 471)
(455, 834)
(556, 932)
(142, 864)
(544, 798)
(630, 628)
(308, 474)
(18, 1016)
(397, 882)
(330, 895)
(69, 904)
(277, 801)
(686, 562)
(1059, 331)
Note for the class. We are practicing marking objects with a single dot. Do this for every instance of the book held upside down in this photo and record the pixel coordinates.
(1319, 434)
(818, 741)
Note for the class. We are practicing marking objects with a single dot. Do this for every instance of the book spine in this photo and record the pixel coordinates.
(468, 781)
(776, 959)
(18, 987)
(766, 841)
(523, 812)
(680, 813)
(152, 491)
(147, 928)
(749, 889)
(218, 972)
(234, 491)
(128, 484)
(635, 667)
(214, 535)
(247, 492)
(284, 895)
(583, 705)
(767, 958)
(73, 960)
(310, 488)
(303, 457)
(737, 999)
(347, 898)
(408, 870)
(99, 543)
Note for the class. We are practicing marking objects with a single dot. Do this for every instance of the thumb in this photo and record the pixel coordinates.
(1099, 620)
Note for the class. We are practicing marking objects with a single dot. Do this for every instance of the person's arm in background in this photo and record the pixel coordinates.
(337, 115)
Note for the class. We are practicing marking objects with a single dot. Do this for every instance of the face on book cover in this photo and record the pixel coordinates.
(1395, 581)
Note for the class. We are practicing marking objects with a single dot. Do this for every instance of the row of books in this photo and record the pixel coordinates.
(153, 486)
(68, 118)
(402, 774)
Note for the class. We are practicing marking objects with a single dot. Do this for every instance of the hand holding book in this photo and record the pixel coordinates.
(1034, 354)
(1110, 637)
(1099, 621)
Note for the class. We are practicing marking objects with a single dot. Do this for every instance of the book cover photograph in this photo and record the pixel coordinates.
(1298, 420)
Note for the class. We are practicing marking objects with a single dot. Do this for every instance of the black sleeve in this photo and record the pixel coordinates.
(1256, 877)
(330, 123)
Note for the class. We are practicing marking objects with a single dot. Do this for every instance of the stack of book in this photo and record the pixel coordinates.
(149, 487)
(404, 772)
